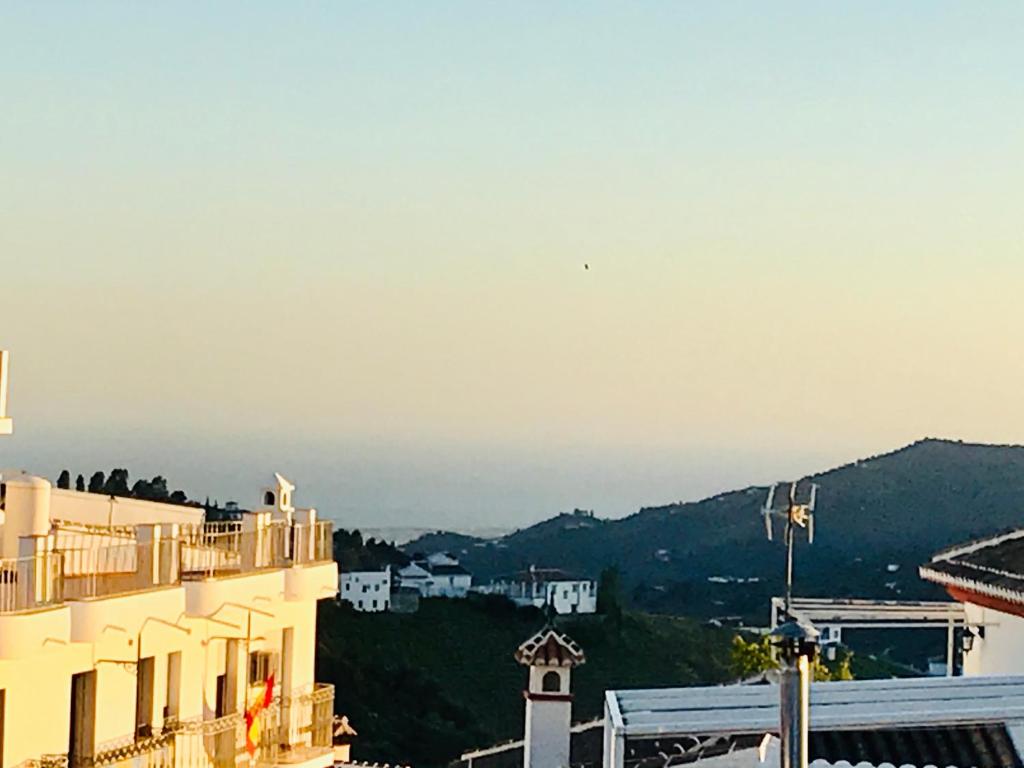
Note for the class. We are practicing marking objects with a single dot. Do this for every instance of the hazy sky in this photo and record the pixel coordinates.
(346, 241)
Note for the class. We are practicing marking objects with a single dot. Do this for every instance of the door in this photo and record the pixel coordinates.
(81, 739)
(144, 698)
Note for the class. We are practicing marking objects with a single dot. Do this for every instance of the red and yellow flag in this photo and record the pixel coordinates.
(252, 717)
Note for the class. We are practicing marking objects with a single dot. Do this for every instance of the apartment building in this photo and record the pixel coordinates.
(137, 633)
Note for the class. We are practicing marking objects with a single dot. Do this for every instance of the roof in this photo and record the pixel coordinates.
(982, 746)
(549, 647)
(541, 575)
(585, 745)
(966, 721)
(993, 567)
(449, 570)
(908, 702)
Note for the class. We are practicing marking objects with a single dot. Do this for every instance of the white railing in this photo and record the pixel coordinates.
(313, 543)
(27, 583)
(215, 549)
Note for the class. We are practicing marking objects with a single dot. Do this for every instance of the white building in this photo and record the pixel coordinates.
(132, 632)
(540, 587)
(366, 590)
(442, 577)
(987, 577)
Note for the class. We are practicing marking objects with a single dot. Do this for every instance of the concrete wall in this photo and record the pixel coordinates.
(97, 509)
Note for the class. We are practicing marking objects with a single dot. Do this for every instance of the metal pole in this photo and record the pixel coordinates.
(789, 565)
(797, 645)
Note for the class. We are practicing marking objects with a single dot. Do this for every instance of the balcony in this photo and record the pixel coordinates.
(30, 583)
(80, 563)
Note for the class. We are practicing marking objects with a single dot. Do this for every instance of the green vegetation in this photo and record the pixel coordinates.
(354, 554)
(116, 484)
(423, 688)
(749, 658)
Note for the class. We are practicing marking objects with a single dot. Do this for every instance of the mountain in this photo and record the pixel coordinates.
(877, 520)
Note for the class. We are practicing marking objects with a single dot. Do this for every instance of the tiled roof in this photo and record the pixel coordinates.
(993, 566)
(550, 647)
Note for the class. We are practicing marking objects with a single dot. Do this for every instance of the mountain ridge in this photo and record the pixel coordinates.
(878, 518)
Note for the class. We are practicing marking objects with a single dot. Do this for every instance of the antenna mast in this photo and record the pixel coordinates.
(793, 503)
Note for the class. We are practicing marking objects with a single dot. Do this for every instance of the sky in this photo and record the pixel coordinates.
(470, 264)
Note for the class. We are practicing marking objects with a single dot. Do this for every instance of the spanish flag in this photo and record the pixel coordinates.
(252, 717)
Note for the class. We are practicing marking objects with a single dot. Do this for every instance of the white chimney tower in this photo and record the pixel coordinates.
(6, 424)
(550, 656)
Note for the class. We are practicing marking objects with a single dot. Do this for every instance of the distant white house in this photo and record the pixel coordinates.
(368, 591)
(439, 575)
(547, 586)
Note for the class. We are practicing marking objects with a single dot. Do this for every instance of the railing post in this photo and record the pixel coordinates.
(147, 555)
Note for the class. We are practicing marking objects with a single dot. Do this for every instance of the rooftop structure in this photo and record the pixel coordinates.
(922, 721)
(987, 578)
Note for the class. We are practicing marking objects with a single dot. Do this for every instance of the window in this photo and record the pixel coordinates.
(261, 665)
(376, 587)
(375, 604)
(551, 682)
(173, 685)
(268, 498)
(360, 605)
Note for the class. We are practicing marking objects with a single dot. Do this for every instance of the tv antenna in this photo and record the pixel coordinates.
(794, 503)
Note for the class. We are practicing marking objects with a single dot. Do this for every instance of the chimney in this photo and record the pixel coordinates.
(550, 656)
(797, 645)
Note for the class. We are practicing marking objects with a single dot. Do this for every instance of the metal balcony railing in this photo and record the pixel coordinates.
(216, 549)
(27, 583)
(313, 543)
(87, 562)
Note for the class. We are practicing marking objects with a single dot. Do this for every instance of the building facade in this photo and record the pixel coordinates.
(987, 577)
(368, 591)
(134, 632)
(442, 577)
(541, 587)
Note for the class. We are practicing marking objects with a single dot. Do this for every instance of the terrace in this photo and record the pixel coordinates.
(87, 562)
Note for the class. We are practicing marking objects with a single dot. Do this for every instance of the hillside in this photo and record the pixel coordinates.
(422, 688)
(893, 509)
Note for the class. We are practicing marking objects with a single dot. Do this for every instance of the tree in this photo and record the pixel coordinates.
(609, 602)
(64, 481)
(158, 489)
(117, 483)
(178, 497)
(754, 657)
(96, 482)
(751, 658)
(79, 483)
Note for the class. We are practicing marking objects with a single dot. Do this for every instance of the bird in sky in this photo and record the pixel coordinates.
(586, 266)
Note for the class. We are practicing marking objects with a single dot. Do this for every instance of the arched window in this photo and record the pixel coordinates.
(551, 682)
(268, 498)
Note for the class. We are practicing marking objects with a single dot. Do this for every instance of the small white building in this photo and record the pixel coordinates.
(368, 591)
(540, 587)
(439, 575)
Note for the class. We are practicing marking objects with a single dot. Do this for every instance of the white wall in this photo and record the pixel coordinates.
(98, 509)
(366, 590)
(1001, 651)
